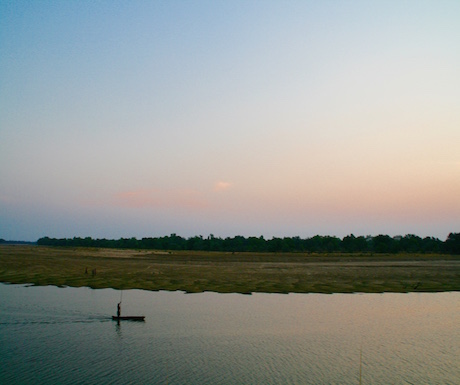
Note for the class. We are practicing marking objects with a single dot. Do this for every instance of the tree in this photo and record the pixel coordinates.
(384, 244)
(410, 243)
(452, 244)
(352, 244)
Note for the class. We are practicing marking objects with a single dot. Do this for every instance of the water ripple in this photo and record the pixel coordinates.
(217, 339)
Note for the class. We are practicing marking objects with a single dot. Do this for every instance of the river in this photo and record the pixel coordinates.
(51, 335)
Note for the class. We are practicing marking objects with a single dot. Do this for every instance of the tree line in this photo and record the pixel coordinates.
(9, 242)
(318, 244)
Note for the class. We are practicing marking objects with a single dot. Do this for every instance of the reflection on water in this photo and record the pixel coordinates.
(54, 335)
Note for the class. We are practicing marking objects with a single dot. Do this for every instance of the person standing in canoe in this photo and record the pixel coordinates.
(119, 309)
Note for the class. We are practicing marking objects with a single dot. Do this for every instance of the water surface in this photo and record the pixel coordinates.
(52, 335)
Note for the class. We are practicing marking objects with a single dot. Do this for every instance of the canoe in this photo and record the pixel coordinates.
(129, 318)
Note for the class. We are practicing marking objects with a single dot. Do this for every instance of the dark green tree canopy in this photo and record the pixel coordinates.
(317, 244)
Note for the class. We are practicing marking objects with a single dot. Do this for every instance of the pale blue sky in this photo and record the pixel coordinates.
(274, 118)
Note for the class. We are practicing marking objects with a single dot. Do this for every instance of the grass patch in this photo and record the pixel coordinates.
(229, 273)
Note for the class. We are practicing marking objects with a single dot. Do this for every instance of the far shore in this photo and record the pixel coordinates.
(195, 271)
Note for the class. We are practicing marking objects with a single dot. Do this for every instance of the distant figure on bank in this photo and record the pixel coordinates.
(118, 309)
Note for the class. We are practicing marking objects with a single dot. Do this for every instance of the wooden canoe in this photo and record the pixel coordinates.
(129, 318)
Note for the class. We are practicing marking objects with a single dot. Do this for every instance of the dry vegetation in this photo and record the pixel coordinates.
(227, 272)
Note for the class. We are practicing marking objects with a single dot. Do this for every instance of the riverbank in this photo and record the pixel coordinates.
(229, 272)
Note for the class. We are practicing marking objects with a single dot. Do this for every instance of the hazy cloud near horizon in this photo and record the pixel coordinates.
(233, 118)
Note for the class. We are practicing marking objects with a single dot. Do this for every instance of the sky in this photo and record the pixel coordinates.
(274, 118)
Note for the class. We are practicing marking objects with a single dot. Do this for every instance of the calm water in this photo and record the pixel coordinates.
(52, 335)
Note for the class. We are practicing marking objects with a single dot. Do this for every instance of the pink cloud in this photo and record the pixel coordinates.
(221, 186)
(159, 198)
